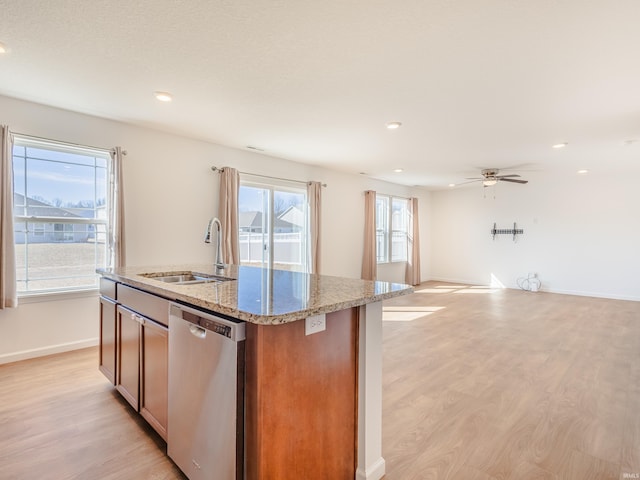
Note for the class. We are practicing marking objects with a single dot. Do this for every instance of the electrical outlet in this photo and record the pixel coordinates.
(315, 324)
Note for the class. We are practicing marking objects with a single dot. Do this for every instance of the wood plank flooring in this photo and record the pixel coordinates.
(478, 384)
(61, 419)
(504, 384)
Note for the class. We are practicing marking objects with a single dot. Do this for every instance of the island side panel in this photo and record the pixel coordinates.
(301, 400)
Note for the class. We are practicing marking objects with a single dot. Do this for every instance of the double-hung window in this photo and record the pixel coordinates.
(392, 226)
(60, 215)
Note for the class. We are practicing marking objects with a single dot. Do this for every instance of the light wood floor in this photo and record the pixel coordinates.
(478, 384)
(505, 384)
(61, 419)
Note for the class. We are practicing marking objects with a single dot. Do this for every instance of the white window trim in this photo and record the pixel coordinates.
(62, 293)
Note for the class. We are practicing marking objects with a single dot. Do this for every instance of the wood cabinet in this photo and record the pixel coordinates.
(154, 374)
(301, 400)
(142, 366)
(128, 364)
(107, 361)
(134, 349)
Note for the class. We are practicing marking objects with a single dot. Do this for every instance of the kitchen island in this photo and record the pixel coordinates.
(312, 363)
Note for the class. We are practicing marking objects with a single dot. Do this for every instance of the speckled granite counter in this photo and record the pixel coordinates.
(261, 296)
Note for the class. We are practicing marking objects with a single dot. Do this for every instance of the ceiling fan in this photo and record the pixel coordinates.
(490, 177)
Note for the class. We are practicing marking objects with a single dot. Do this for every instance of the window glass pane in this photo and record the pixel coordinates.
(60, 156)
(399, 224)
(253, 222)
(54, 189)
(290, 225)
(21, 271)
(382, 228)
(273, 227)
(18, 185)
(61, 253)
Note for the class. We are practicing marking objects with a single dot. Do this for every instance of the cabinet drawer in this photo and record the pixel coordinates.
(108, 288)
(151, 306)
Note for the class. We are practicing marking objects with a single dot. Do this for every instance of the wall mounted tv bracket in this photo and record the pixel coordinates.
(507, 231)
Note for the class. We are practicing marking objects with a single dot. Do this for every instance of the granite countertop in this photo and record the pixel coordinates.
(260, 295)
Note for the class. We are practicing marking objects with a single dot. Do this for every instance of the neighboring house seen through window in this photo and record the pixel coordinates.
(392, 226)
(273, 224)
(60, 215)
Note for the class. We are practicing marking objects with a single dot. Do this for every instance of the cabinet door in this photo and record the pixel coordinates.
(107, 362)
(128, 350)
(154, 375)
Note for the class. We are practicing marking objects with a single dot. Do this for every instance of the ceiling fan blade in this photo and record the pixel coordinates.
(474, 178)
(471, 181)
(507, 176)
(512, 180)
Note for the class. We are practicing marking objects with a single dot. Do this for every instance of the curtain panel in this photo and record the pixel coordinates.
(228, 214)
(8, 286)
(412, 272)
(314, 196)
(116, 211)
(369, 261)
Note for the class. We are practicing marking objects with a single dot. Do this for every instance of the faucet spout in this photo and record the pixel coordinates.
(219, 264)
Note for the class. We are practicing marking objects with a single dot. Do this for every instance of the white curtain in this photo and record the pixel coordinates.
(369, 261)
(8, 287)
(228, 214)
(314, 196)
(116, 211)
(412, 273)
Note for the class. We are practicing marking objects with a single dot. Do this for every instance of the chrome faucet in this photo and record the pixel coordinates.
(207, 239)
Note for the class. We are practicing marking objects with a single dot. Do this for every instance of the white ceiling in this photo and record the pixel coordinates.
(475, 83)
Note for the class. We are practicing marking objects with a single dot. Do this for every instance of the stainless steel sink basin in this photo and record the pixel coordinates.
(186, 278)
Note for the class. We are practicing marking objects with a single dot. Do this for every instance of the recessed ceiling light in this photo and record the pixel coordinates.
(398, 170)
(393, 125)
(559, 145)
(583, 172)
(452, 185)
(163, 96)
(3, 48)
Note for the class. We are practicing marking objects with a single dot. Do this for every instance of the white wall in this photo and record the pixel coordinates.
(170, 194)
(581, 234)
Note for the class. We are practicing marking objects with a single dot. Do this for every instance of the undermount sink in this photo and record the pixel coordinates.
(186, 278)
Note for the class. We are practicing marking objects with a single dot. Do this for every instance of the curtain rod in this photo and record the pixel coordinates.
(89, 147)
(216, 169)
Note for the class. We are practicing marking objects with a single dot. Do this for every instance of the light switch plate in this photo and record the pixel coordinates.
(315, 324)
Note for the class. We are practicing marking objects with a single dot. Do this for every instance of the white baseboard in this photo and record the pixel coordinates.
(373, 472)
(48, 350)
(579, 293)
(611, 296)
(465, 281)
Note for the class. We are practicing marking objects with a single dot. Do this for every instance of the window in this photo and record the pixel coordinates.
(392, 224)
(273, 224)
(60, 215)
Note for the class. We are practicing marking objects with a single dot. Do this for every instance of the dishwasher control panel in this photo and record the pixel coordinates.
(221, 326)
(215, 327)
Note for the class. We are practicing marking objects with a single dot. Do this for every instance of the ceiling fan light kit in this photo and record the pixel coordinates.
(490, 178)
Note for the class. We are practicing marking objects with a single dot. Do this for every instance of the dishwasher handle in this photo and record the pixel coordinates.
(197, 331)
(209, 322)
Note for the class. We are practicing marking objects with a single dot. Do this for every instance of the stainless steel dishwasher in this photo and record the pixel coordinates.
(206, 394)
